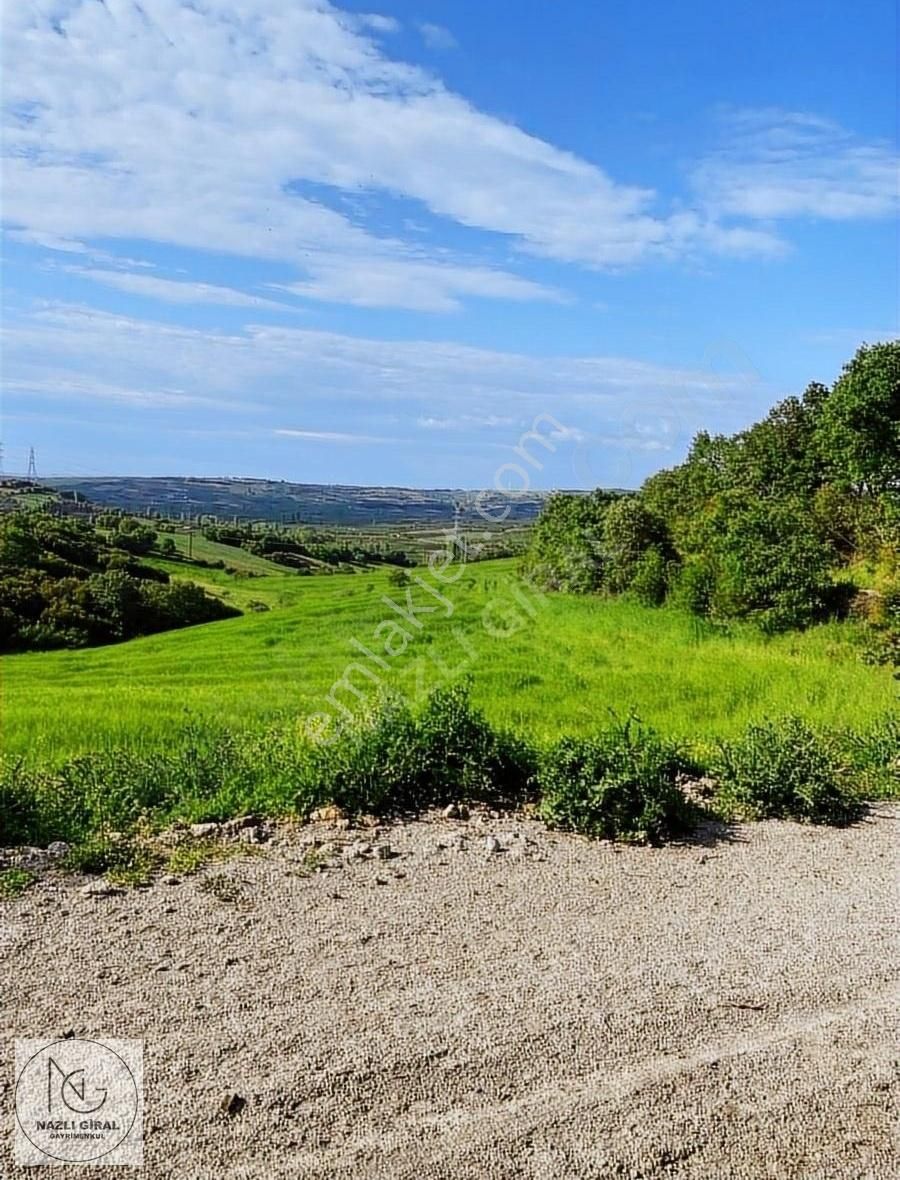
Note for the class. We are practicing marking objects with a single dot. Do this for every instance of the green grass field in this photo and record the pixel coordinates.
(239, 559)
(563, 665)
(276, 590)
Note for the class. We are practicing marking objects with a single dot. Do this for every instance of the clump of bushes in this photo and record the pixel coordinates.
(62, 585)
(619, 785)
(786, 770)
(622, 783)
(393, 759)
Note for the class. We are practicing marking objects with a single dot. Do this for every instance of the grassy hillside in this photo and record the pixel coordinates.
(561, 670)
(275, 590)
(239, 559)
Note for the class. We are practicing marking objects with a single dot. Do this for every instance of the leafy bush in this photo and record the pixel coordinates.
(875, 757)
(770, 567)
(786, 770)
(393, 760)
(463, 757)
(694, 586)
(566, 550)
(20, 818)
(620, 785)
(650, 580)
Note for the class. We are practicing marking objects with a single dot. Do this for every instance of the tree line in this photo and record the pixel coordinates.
(768, 524)
(62, 584)
(291, 549)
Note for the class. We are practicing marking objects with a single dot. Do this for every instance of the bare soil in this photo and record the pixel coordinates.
(560, 1008)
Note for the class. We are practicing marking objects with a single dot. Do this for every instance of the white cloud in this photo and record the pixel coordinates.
(779, 165)
(267, 370)
(204, 127)
(60, 384)
(374, 21)
(411, 283)
(48, 241)
(175, 291)
(464, 422)
(436, 36)
(333, 436)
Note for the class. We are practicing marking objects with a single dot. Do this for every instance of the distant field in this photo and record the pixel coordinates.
(562, 670)
(239, 559)
(276, 590)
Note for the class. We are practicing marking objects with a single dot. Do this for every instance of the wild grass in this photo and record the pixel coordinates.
(541, 667)
(623, 782)
(14, 882)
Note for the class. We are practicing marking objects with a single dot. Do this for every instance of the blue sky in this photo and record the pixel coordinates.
(372, 243)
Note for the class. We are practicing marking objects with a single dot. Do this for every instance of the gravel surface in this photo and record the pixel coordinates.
(483, 998)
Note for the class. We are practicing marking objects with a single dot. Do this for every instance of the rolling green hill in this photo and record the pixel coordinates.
(566, 661)
(200, 549)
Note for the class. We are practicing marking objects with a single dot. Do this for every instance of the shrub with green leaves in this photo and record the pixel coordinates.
(630, 531)
(620, 785)
(784, 769)
(20, 818)
(393, 759)
(650, 582)
(463, 757)
(874, 755)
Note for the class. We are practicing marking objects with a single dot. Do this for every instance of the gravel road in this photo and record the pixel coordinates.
(552, 1009)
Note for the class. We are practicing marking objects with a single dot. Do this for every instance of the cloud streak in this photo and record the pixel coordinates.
(175, 291)
(779, 165)
(271, 373)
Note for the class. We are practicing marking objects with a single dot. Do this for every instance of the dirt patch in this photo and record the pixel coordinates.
(483, 998)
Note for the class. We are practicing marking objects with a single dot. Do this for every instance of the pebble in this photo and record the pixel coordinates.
(99, 888)
(204, 831)
(232, 826)
(232, 1104)
(384, 851)
(359, 850)
(329, 814)
(492, 844)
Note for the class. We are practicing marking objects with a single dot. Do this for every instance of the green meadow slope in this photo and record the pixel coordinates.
(545, 666)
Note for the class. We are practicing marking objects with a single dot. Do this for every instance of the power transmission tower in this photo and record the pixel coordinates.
(1, 459)
(32, 466)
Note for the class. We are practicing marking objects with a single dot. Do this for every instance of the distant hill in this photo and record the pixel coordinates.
(275, 500)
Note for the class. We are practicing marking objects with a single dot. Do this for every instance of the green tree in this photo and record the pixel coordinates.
(769, 565)
(860, 422)
(629, 530)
